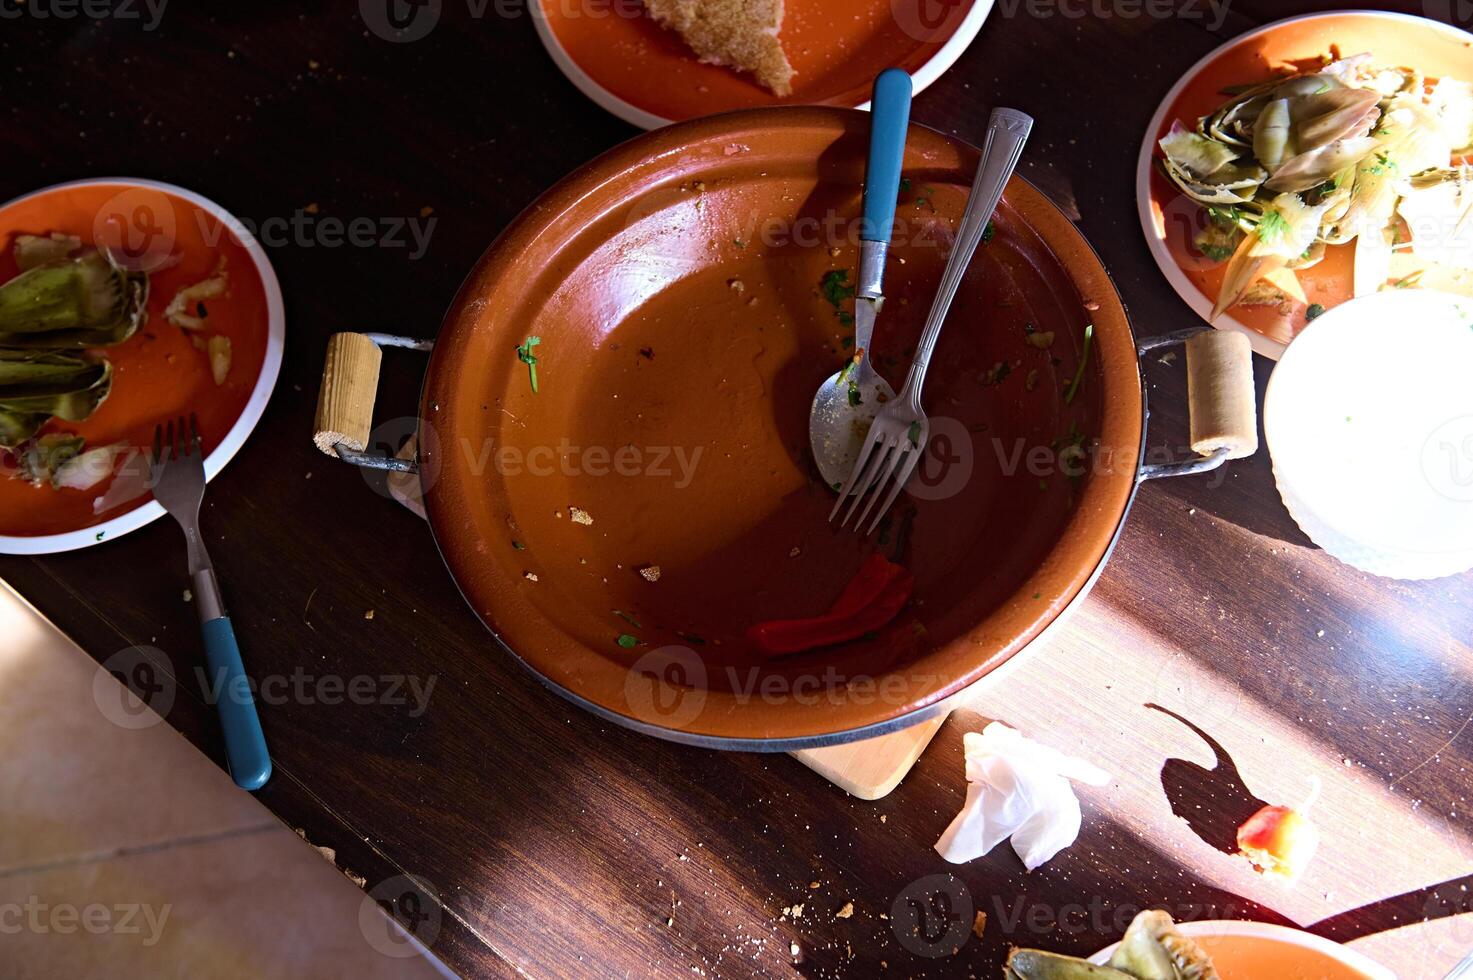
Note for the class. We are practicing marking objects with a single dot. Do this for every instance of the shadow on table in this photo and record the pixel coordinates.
(1228, 800)
(1231, 803)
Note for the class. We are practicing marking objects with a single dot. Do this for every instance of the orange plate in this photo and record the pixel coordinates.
(158, 373)
(1170, 218)
(836, 47)
(674, 283)
(1258, 950)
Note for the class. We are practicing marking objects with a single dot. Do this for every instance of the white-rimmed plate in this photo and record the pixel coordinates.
(1170, 219)
(1257, 950)
(159, 373)
(621, 59)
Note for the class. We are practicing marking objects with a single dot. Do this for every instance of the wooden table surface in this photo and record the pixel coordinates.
(561, 846)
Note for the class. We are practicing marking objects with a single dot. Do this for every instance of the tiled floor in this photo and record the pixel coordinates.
(124, 852)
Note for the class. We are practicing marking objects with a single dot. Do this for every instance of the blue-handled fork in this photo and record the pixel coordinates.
(177, 475)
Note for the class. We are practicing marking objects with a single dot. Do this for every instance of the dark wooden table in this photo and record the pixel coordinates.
(561, 846)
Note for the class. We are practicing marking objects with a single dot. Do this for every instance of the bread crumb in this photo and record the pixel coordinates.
(979, 924)
(580, 516)
(312, 208)
(651, 573)
(188, 596)
(846, 912)
(368, 614)
(795, 552)
(883, 818)
(530, 576)
(813, 884)
(793, 948)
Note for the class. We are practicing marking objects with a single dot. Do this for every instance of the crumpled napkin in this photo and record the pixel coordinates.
(1018, 788)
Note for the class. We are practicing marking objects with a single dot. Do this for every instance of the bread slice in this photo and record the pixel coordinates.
(740, 34)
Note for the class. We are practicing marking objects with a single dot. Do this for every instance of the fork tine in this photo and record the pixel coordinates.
(866, 479)
(896, 458)
(912, 458)
(181, 448)
(855, 471)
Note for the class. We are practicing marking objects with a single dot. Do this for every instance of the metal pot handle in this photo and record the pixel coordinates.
(1222, 402)
(349, 389)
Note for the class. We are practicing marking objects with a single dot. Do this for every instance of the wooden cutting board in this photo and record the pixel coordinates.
(870, 769)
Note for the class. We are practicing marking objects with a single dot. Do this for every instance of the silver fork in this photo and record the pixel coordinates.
(177, 476)
(897, 438)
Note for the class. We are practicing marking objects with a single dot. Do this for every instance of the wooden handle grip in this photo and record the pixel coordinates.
(1220, 393)
(349, 386)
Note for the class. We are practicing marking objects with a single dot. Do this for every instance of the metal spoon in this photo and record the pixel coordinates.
(847, 402)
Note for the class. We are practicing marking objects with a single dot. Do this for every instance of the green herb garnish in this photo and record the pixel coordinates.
(988, 232)
(854, 398)
(628, 619)
(1271, 227)
(835, 287)
(914, 434)
(1089, 336)
(627, 642)
(1315, 309)
(525, 355)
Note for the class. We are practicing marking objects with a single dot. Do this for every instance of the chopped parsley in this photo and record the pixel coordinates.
(1272, 227)
(628, 642)
(525, 355)
(519, 546)
(914, 434)
(854, 398)
(1315, 310)
(989, 233)
(1089, 336)
(835, 287)
(691, 638)
(628, 619)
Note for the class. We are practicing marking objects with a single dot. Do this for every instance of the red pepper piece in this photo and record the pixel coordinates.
(1278, 840)
(871, 599)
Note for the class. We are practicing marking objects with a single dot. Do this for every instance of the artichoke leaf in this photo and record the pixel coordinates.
(89, 301)
(66, 387)
(1194, 153)
(17, 427)
(1155, 949)
(1305, 171)
(1034, 964)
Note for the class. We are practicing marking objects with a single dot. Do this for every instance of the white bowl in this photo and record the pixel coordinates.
(1369, 421)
